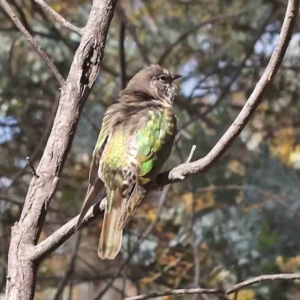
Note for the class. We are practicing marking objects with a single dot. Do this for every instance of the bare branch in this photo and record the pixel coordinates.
(201, 165)
(231, 290)
(177, 293)
(191, 154)
(260, 279)
(29, 162)
(59, 18)
(34, 155)
(83, 73)
(33, 42)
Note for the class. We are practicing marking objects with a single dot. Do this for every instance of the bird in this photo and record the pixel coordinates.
(135, 140)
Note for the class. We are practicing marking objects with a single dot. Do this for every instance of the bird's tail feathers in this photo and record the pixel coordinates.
(111, 234)
(132, 204)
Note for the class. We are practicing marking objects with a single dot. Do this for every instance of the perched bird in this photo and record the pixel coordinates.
(135, 140)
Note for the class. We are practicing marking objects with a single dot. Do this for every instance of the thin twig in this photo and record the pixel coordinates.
(49, 10)
(41, 143)
(33, 42)
(32, 167)
(191, 154)
(177, 292)
(261, 278)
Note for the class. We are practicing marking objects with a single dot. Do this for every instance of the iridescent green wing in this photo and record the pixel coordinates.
(153, 139)
(154, 143)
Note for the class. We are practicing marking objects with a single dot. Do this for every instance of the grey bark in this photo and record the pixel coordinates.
(83, 73)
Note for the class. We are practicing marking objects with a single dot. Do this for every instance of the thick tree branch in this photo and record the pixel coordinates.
(32, 41)
(49, 10)
(83, 73)
(203, 164)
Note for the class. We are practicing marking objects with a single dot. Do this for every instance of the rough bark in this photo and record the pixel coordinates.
(83, 72)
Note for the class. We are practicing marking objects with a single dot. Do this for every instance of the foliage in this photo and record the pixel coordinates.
(236, 221)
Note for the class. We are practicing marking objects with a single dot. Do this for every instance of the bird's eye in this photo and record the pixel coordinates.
(163, 77)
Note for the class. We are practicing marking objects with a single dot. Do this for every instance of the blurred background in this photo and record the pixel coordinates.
(238, 220)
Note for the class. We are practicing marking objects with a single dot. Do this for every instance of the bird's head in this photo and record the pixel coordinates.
(155, 83)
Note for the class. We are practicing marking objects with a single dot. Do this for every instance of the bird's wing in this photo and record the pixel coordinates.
(95, 183)
(153, 144)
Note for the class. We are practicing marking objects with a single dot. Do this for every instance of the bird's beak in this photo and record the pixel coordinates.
(175, 76)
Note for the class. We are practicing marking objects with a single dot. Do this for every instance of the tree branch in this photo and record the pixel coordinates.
(177, 292)
(261, 278)
(33, 42)
(83, 73)
(49, 10)
(231, 290)
(187, 169)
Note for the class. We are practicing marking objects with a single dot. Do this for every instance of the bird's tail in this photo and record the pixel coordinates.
(111, 234)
